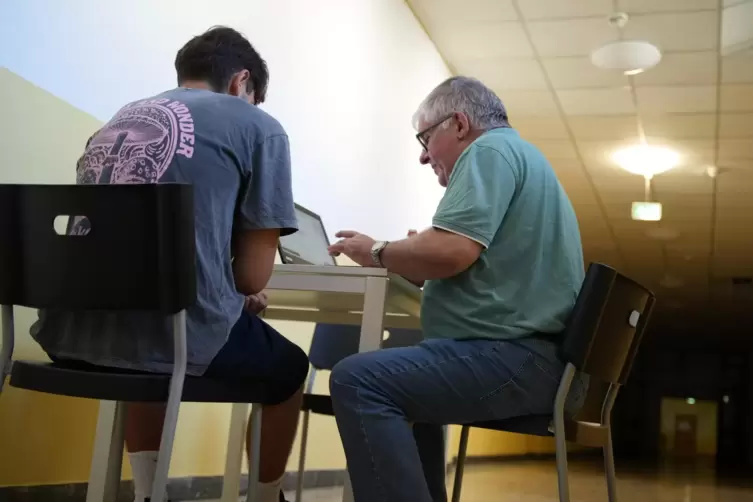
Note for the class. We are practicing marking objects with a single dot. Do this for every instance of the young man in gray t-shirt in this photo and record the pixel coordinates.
(207, 132)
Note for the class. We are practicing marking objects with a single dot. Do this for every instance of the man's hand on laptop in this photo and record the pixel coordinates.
(255, 303)
(355, 246)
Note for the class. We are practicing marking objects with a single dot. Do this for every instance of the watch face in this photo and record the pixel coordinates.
(376, 249)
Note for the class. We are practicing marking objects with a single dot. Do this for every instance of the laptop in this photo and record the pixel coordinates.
(308, 246)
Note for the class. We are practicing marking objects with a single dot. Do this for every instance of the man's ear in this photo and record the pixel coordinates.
(238, 83)
(463, 125)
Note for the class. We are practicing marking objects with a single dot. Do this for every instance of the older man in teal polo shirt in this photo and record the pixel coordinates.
(501, 265)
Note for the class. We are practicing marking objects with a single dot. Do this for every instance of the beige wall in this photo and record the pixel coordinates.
(43, 438)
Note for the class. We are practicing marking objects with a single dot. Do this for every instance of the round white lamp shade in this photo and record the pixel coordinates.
(630, 56)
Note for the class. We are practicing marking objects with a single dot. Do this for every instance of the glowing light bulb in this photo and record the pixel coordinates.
(646, 160)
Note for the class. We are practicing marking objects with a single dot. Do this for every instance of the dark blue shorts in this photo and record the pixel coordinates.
(254, 351)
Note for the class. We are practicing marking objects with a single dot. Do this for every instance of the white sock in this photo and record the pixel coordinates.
(270, 492)
(144, 467)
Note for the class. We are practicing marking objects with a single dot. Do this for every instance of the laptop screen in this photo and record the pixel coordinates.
(309, 244)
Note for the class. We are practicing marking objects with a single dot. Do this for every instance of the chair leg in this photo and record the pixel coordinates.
(231, 481)
(254, 454)
(107, 458)
(560, 437)
(460, 467)
(563, 483)
(161, 476)
(6, 350)
(609, 469)
(606, 420)
(302, 456)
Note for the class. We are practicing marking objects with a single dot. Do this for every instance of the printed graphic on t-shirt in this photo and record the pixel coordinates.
(138, 144)
(135, 147)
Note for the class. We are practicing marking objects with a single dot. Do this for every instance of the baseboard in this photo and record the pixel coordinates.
(194, 488)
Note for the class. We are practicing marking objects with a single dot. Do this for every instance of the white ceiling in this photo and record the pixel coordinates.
(535, 55)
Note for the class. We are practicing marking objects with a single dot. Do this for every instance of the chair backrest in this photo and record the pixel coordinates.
(607, 324)
(332, 343)
(137, 253)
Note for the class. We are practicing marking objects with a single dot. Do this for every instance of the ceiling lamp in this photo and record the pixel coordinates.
(646, 160)
(629, 56)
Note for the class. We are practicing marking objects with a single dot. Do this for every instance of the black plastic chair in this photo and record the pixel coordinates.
(331, 344)
(138, 254)
(601, 340)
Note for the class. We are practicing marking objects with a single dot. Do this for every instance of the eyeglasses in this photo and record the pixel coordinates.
(422, 136)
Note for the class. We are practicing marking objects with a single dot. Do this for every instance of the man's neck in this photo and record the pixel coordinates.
(196, 84)
(474, 135)
(469, 139)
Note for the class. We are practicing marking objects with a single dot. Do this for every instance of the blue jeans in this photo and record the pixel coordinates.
(378, 395)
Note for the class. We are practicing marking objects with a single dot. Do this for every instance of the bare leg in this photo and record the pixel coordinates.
(279, 424)
(144, 426)
(278, 427)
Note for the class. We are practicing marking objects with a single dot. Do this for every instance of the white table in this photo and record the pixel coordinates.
(371, 297)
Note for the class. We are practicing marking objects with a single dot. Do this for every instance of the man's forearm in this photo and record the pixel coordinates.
(401, 257)
(417, 258)
(418, 283)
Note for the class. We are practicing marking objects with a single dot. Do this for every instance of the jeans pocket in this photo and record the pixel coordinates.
(530, 391)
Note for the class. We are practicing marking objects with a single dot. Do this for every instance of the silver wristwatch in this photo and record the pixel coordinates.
(376, 252)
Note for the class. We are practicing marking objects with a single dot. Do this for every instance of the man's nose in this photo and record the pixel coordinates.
(424, 157)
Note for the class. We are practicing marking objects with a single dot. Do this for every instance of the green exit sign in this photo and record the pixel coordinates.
(646, 211)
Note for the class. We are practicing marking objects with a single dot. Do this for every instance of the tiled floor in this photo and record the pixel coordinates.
(536, 482)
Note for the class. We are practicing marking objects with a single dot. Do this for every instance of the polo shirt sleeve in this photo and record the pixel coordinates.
(480, 189)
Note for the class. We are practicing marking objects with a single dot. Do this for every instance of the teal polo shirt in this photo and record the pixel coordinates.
(503, 194)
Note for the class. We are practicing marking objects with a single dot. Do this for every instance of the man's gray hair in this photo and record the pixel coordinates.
(467, 95)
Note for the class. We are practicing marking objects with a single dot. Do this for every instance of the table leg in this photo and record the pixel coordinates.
(372, 322)
(372, 332)
(107, 458)
(231, 481)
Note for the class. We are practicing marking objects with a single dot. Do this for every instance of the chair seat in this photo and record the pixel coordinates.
(129, 386)
(318, 403)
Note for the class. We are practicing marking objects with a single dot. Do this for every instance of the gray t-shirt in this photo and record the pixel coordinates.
(237, 158)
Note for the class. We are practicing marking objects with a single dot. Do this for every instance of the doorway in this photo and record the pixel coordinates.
(688, 429)
(686, 434)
